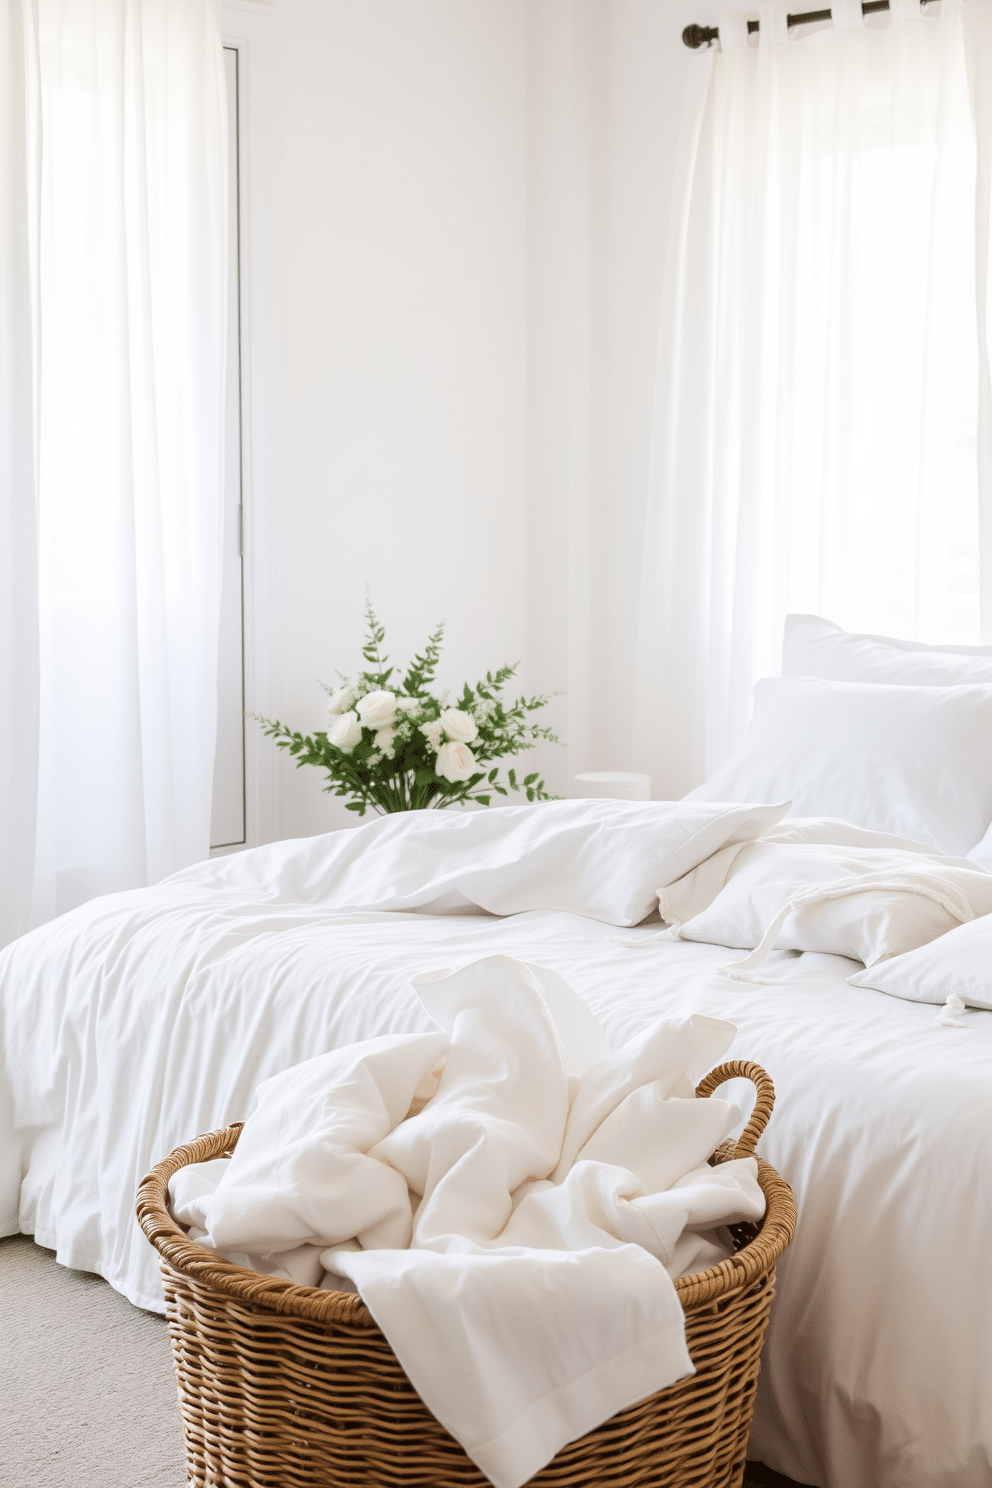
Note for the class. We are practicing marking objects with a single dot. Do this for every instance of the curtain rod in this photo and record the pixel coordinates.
(697, 36)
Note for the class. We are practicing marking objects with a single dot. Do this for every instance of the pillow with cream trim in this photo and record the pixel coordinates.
(959, 967)
(869, 904)
(914, 761)
(813, 647)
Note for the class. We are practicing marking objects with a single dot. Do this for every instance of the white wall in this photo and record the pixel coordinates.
(403, 304)
(472, 210)
(642, 85)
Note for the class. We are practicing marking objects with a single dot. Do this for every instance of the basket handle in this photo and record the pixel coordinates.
(736, 1069)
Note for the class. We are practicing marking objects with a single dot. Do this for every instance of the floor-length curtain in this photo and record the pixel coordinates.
(823, 429)
(20, 108)
(115, 123)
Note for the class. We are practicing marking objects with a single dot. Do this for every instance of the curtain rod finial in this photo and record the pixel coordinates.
(697, 36)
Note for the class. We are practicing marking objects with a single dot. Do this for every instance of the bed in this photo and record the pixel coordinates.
(144, 1018)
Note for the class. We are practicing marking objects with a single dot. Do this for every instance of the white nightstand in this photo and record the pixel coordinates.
(619, 785)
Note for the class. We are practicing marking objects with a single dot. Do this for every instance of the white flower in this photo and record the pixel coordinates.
(377, 709)
(408, 704)
(346, 733)
(455, 761)
(432, 731)
(341, 700)
(458, 725)
(385, 740)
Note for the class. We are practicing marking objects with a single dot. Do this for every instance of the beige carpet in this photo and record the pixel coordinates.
(87, 1393)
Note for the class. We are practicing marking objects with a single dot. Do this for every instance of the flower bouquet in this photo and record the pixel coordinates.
(399, 746)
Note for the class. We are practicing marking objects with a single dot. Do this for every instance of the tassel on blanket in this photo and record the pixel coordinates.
(645, 941)
(740, 971)
(947, 1017)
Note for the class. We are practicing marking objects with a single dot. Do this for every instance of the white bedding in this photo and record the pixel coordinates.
(145, 1018)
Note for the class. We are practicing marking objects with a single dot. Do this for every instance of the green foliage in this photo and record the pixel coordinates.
(391, 761)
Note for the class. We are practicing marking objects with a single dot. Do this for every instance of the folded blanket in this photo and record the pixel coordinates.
(511, 1213)
(798, 891)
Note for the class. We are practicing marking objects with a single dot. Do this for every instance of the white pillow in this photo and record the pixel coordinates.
(914, 761)
(958, 965)
(869, 904)
(982, 854)
(818, 648)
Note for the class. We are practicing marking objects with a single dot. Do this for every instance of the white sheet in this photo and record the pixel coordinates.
(425, 1161)
(143, 1019)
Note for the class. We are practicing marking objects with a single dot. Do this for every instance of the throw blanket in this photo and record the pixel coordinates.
(512, 1214)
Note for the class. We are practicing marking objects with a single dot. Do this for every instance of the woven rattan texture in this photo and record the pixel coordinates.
(294, 1387)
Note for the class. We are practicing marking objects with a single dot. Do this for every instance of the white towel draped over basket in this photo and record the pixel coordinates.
(511, 1200)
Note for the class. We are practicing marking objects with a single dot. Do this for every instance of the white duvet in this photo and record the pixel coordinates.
(145, 1018)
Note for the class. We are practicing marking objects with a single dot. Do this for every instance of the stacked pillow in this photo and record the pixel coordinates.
(817, 648)
(892, 735)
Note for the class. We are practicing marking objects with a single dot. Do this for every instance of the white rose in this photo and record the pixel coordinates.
(458, 725)
(346, 733)
(384, 740)
(341, 700)
(377, 709)
(455, 761)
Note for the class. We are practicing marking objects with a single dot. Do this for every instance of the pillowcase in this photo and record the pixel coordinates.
(982, 854)
(818, 648)
(913, 761)
(839, 833)
(869, 904)
(958, 965)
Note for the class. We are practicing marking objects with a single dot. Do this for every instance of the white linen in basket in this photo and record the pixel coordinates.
(866, 903)
(814, 647)
(915, 761)
(513, 1231)
(958, 965)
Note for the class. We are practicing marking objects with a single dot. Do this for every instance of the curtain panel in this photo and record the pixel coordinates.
(823, 426)
(112, 365)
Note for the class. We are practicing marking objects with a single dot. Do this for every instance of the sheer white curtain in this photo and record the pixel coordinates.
(823, 433)
(111, 412)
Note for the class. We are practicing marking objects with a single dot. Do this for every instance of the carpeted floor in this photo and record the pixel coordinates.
(86, 1385)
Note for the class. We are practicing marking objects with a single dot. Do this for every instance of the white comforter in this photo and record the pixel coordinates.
(145, 1018)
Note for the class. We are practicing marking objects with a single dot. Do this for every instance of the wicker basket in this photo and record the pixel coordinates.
(293, 1387)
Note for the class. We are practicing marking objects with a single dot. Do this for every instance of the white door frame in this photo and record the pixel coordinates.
(251, 26)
